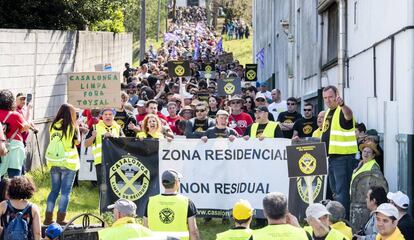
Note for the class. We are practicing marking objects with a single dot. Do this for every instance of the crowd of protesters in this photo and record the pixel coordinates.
(154, 105)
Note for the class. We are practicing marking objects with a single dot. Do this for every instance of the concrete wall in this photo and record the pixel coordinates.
(37, 61)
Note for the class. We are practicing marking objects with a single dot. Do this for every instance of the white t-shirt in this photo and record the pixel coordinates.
(276, 108)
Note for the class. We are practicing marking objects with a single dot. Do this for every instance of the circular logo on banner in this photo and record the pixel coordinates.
(307, 129)
(229, 88)
(208, 68)
(179, 70)
(166, 216)
(307, 163)
(129, 178)
(303, 188)
(251, 74)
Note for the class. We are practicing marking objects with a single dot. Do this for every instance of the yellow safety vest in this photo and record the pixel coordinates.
(268, 132)
(124, 229)
(168, 214)
(145, 135)
(101, 129)
(366, 167)
(332, 235)
(343, 228)
(71, 159)
(235, 234)
(317, 133)
(341, 141)
(280, 232)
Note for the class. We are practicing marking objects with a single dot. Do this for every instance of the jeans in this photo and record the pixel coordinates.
(339, 174)
(62, 181)
(11, 172)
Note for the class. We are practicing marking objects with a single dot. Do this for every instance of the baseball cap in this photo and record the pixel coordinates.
(53, 231)
(388, 210)
(399, 199)
(259, 95)
(262, 109)
(242, 210)
(20, 95)
(316, 210)
(141, 103)
(170, 176)
(372, 132)
(124, 206)
(222, 112)
(236, 97)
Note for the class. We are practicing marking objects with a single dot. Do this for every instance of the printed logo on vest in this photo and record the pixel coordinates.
(166, 215)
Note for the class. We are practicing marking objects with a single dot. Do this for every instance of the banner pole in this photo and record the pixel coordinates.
(309, 180)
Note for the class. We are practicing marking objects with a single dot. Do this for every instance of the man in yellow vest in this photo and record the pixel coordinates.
(125, 227)
(318, 132)
(107, 127)
(171, 213)
(263, 127)
(341, 144)
(336, 218)
(282, 224)
(318, 218)
(242, 215)
(387, 222)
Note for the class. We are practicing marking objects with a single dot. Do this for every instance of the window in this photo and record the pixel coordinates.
(332, 32)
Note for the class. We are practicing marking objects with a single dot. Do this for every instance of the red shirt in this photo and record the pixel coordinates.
(243, 120)
(13, 123)
(25, 134)
(171, 122)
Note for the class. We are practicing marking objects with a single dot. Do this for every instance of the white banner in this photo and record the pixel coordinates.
(218, 173)
(87, 169)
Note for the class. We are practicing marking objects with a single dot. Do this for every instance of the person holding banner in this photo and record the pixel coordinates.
(107, 127)
(263, 128)
(160, 208)
(242, 215)
(63, 159)
(280, 222)
(151, 128)
(196, 127)
(220, 130)
(341, 144)
(238, 119)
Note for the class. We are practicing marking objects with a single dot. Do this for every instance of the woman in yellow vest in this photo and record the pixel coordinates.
(63, 159)
(151, 127)
(369, 151)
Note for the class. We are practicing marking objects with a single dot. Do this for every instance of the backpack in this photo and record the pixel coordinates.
(18, 228)
(55, 150)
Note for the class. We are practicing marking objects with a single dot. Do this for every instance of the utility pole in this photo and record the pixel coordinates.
(142, 32)
(208, 12)
(158, 19)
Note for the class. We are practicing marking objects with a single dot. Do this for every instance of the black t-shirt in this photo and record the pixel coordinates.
(305, 127)
(345, 124)
(200, 125)
(288, 117)
(123, 119)
(277, 133)
(127, 72)
(406, 226)
(212, 114)
(215, 132)
(192, 210)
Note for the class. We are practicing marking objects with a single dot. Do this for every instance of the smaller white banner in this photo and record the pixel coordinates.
(87, 171)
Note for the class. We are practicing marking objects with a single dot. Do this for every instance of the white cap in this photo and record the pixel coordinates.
(260, 95)
(399, 199)
(388, 210)
(316, 210)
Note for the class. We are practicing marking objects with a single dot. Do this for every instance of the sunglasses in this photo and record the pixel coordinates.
(260, 100)
(200, 110)
(248, 102)
(307, 110)
(291, 104)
